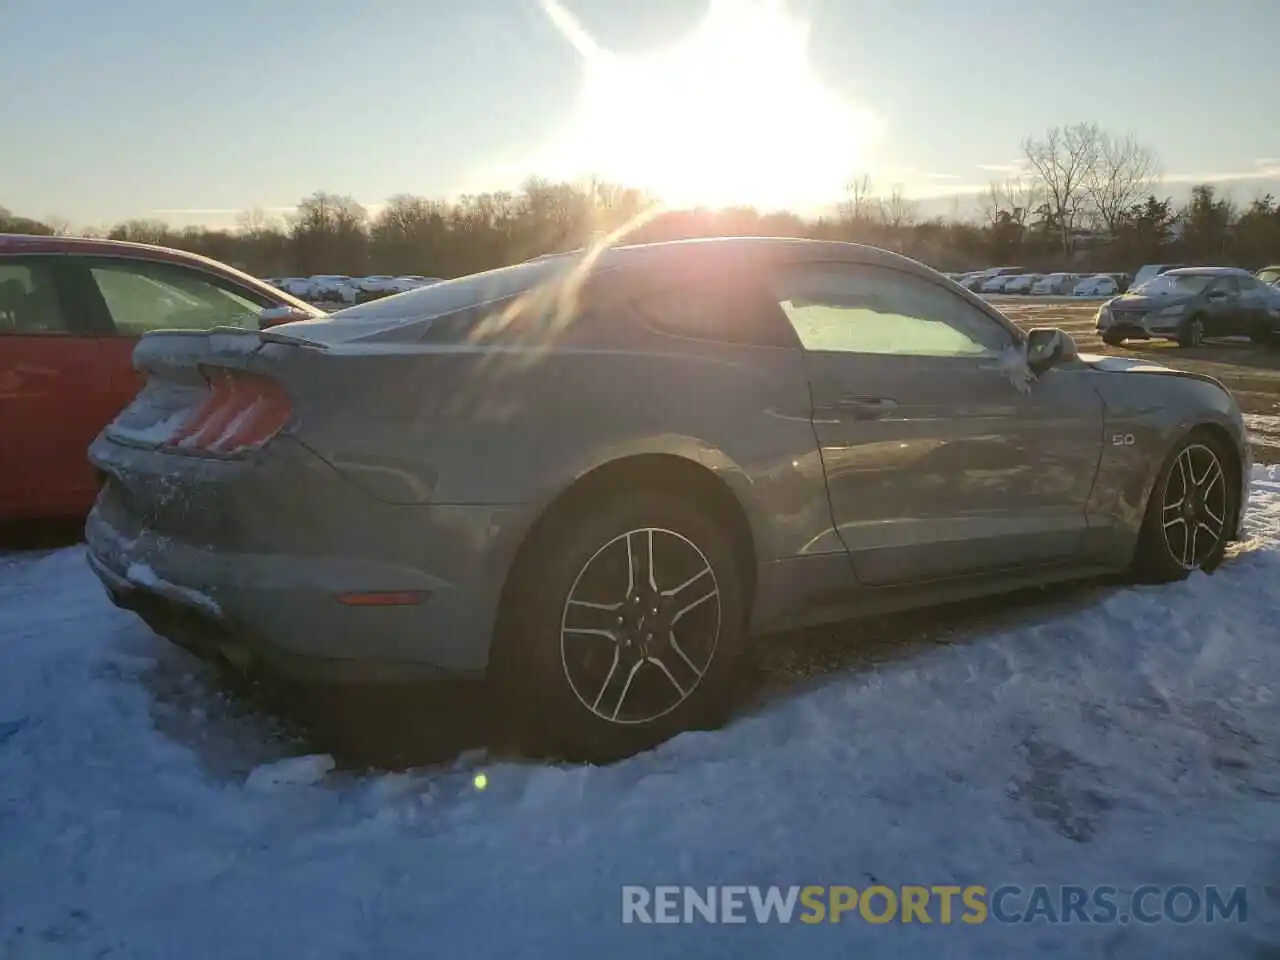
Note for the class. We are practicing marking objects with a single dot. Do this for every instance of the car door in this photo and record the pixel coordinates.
(139, 295)
(936, 465)
(54, 387)
(1255, 305)
(1222, 307)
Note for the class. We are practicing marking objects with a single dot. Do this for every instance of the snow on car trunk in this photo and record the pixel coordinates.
(1130, 741)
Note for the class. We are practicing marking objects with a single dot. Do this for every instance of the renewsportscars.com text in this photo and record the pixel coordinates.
(941, 904)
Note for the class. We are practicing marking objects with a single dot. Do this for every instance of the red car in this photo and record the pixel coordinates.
(71, 311)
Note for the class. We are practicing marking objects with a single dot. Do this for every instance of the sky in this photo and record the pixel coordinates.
(190, 112)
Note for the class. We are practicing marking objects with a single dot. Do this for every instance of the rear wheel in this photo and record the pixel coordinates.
(1112, 339)
(1189, 513)
(1192, 334)
(622, 628)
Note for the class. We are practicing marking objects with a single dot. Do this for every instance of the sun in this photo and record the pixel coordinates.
(731, 114)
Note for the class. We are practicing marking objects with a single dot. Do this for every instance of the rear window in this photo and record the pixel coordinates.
(141, 296)
(451, 296)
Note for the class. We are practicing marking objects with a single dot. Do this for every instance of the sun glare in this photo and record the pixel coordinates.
(732, 113)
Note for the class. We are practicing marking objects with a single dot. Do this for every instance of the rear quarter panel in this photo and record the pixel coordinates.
(486, 425)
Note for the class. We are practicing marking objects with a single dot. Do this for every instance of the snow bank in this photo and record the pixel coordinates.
(1132, 740)
(292, 771)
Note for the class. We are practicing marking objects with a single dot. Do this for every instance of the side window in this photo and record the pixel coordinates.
(1228, 285)
(29, 299)
(723, 310)
(142, 296)
(1248, 284)
(847, 308)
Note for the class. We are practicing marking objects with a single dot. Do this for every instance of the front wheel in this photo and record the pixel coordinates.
(1112, 339)
(1189, 512)
(622, 628)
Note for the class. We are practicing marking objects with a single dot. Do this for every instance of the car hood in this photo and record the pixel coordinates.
(1144, 302)
(1124, 365)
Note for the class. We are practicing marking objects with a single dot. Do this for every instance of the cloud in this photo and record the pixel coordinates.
(371, 208)
(1011, 167)
(1264, 169)
(943, 191)
(215, 211)
(907, 175)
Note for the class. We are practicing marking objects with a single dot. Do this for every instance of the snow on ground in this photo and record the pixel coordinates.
(1130, 741)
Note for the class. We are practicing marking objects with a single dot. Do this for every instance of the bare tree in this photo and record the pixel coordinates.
(141, 231)
(896, 210)
(329, 231)
(1062, 163)
(1013, 199)
(255, 222)
(61, 226)
(1124, 171)
(859, 202)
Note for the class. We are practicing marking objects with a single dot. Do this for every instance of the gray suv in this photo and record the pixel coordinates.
(1190, 304)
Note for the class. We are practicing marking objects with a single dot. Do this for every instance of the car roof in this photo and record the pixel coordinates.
(505, 282)
(1207, 272)
(21, 244)
(783, 248)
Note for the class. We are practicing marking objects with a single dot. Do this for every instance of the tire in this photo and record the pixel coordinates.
(1112, 339)
(1162, 557)
(563, 687)
(1193, 334)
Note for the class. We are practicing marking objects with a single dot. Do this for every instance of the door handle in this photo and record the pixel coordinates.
(867, 408)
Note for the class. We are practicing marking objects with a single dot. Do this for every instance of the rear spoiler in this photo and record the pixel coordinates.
(165, 351)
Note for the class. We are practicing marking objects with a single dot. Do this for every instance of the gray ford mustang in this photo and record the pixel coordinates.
(589, 477)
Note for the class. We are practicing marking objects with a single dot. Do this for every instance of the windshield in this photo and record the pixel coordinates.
(1171, 283)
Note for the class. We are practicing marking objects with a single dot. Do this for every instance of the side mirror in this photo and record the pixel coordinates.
(274, 316)
(1048, 347)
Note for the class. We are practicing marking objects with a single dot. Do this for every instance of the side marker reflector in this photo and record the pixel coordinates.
(404, 598)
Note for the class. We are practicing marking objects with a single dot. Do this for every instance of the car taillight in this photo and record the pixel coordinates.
(241, 412)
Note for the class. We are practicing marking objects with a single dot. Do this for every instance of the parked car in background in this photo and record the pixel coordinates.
(332, 288)
(1152, 270)
(404, 508)
(1023, 283)
(405, 284)
(979, 280)
(294, 286)
(71, 312)
(1269, 276)
(1099, 285)
(997, 283)
(1188, 304)
(1055, 284)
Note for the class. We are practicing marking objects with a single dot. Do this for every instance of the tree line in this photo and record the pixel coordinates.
(1081, 199)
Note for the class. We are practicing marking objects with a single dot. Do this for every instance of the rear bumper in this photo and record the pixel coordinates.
(268, 592)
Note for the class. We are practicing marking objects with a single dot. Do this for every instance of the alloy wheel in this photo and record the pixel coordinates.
(640, 625)
(1194, 509)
